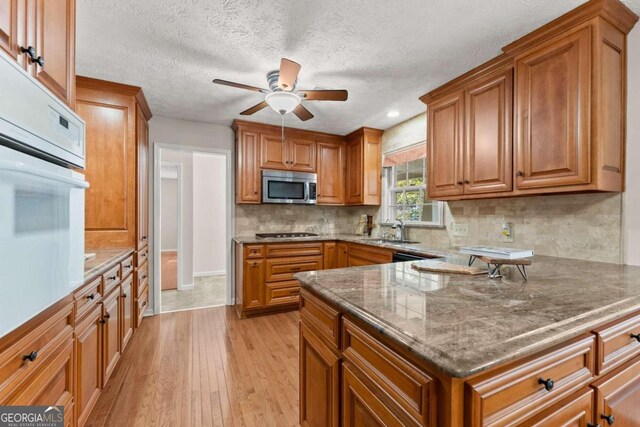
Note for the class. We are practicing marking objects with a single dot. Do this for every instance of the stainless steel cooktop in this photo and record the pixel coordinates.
(283, 235)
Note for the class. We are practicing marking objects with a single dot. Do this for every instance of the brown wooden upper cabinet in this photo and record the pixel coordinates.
(331, 166)
(40, 35)
(116, 208)
(295, 154)
(558, 126)
(364, 167)
(339, 161)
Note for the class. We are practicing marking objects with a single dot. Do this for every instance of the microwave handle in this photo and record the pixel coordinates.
(19, 167)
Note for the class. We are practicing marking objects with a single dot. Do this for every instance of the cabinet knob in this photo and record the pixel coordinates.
(102, 321)
(548, 383)
(459, 182)
(466, 181)
(31, 357)
(144, 237)
(112, 277)
(107, 316)
(30, 51)
(40, 61)
(520, 173)
(636, 337)
(144, 303)
(608, 418)
(91, 296)
(124, 295)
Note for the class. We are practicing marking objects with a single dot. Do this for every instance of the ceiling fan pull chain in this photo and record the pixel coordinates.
(282, 116)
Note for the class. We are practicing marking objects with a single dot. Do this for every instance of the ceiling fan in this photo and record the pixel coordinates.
(282, 95)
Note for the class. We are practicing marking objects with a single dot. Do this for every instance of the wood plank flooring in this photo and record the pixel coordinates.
(205, 368)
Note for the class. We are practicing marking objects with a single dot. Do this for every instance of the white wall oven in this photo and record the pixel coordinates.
(41, 198)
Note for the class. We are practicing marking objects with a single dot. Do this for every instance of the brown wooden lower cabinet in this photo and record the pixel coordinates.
(264, 272)
(382, 384)
(65, 355)
(319, 381)
(88, 363)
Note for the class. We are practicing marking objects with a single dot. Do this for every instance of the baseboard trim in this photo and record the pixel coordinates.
(169, 250)
(186, 287)
(210, 273)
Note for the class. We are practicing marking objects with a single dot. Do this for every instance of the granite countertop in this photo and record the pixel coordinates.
(467, 324)
(104, 259)
(411, 248)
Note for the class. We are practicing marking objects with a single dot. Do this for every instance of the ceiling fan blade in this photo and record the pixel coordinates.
(323, 95)
(302, 113)
(240, 86)
(254, 109)
(288, 74)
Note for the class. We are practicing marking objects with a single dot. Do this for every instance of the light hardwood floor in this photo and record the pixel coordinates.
(205, 368)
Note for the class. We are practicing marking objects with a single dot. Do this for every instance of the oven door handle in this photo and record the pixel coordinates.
(23, 168)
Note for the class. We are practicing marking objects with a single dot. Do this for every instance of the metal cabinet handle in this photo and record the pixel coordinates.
(144, 303)
(30, 51)
(31, 357)
(112, 277)
(608, 418)
(40, 61)
(466, 181)
(459, 182)
(520, 173)
(124, 295)
(91, 296)
(102, 321)
(548, 383)
(107, 316)
(636, 337)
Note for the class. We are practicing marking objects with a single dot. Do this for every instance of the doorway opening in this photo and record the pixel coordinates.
(193, 217)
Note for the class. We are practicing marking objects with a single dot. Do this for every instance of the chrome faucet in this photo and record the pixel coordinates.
(399, 230)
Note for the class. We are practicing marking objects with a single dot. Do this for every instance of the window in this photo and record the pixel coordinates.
(406, 196)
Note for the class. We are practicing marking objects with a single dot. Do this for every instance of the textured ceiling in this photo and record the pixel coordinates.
(385, 53)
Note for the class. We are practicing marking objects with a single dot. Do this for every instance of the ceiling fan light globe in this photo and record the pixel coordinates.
(282, 102)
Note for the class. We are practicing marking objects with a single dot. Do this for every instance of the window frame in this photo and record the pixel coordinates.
(391, 190)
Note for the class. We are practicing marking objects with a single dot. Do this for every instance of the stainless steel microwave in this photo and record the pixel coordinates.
(289, 187)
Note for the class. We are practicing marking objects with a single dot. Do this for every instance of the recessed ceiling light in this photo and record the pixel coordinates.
(393, 113)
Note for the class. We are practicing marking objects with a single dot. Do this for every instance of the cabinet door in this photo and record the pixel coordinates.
(55, 23)
(445, 147)
(302, 155)
(110, 334)
(110, 200)
(355, 178)
(360, 406)
(552, 103)
(143, 179)
(578, 411)
(127, 307)
(488, 154)
(319, 381)
(331, 173)
(88, 364)
(372, 170)
(13, 28)
(330, 255)
(274, 152)
(618, 396)
(343, 255)
(254, 287)
(247, 168)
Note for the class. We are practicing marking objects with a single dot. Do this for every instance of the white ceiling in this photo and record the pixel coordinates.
(385, 53)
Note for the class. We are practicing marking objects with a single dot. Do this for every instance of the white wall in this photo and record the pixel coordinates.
(209, 214)
(185, 158)
(169, 214)
(631, 215)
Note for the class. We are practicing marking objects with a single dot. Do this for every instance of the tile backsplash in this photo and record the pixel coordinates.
(585, 226)
(251, 219)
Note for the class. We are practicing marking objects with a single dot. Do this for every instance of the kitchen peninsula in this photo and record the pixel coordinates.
(393, 346)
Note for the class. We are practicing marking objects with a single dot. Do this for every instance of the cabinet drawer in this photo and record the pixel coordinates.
(111, 278)
(280, 293)
(283, 269)
(40, 343)
(51, 384)
(321, 318)
(293, 249)
(617, 342)
(516, 393)
(87, 297)
(143, 302)
(575, 411)
(127, 266)
(143, 278)
(142, 256)
(254, 251)
(404, 385)
(370, 253)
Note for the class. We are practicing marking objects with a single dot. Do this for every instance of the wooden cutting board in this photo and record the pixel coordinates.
(447, 267)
